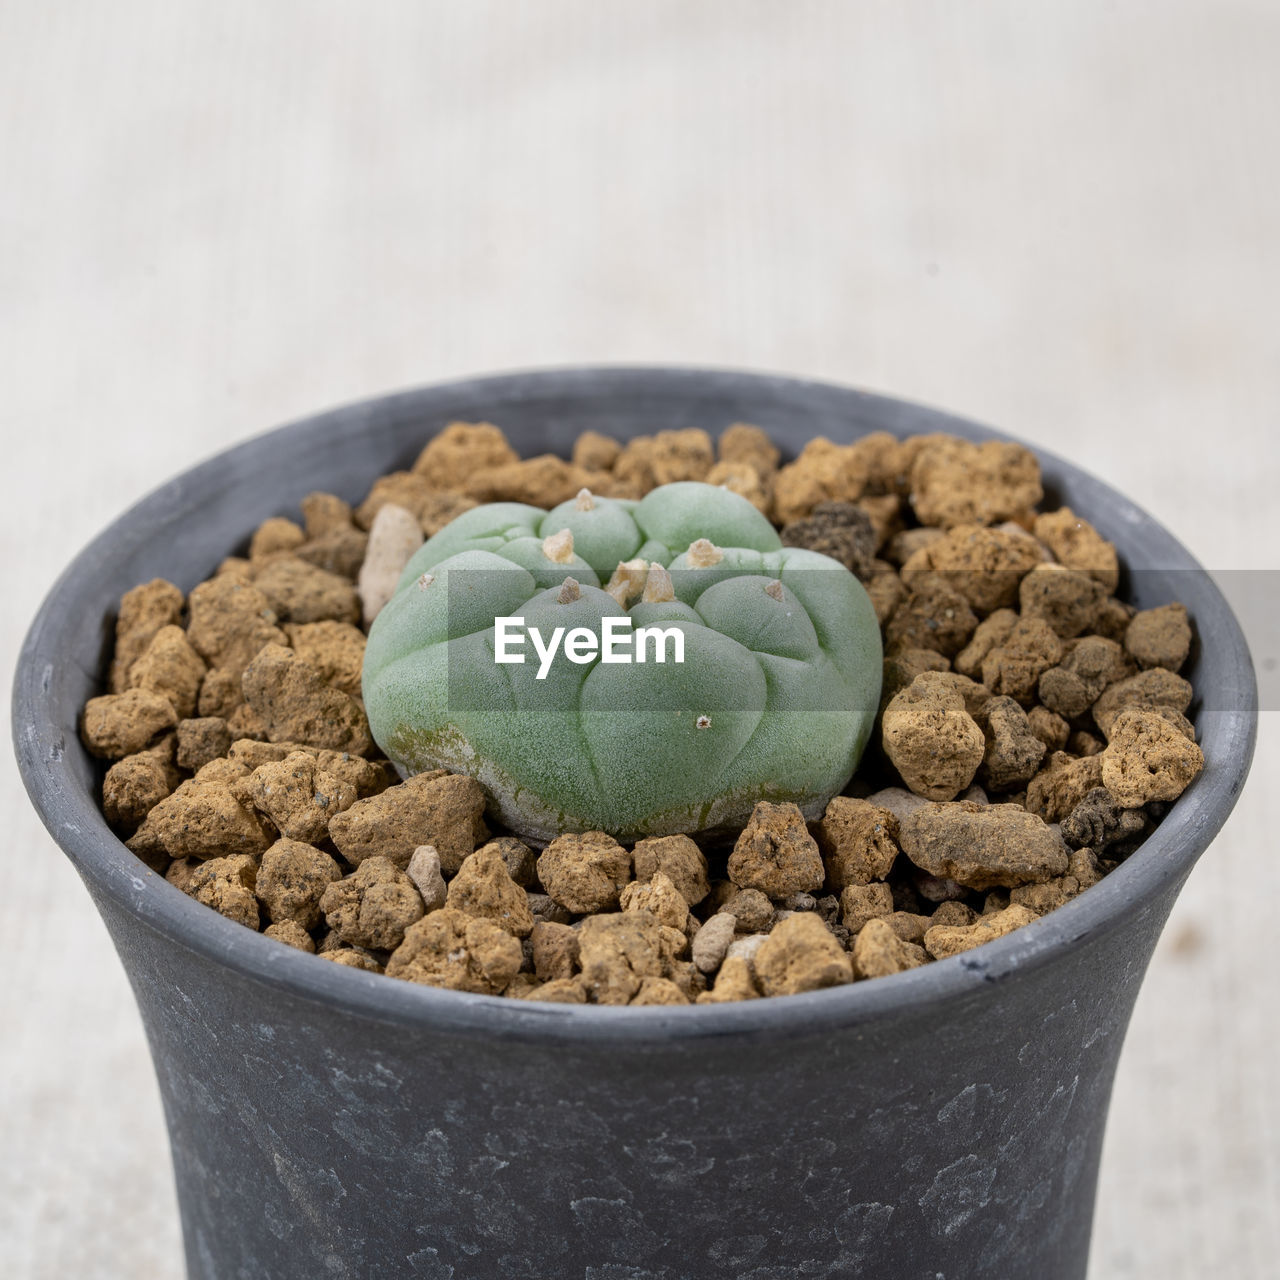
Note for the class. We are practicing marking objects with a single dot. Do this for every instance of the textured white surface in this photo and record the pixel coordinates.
(1061, 218)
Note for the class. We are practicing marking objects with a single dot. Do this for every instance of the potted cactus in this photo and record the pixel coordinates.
(324, 1120)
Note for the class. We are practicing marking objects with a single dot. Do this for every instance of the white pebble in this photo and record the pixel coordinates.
(393, 539)
(424, 871)
(711, 942)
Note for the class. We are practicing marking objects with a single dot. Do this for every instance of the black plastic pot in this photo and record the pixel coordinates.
(942, 1123)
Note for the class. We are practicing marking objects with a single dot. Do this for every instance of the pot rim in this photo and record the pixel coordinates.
(74, 817)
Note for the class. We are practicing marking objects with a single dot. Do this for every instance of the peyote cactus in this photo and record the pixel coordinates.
(774, 699)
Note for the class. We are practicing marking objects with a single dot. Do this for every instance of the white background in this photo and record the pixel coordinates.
(1060, 217)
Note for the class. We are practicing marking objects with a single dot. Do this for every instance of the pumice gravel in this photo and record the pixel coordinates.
(912, 715)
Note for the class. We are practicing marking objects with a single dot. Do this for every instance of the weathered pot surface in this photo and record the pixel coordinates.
(945, 1122)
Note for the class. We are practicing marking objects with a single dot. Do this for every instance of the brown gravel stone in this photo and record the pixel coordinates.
(878, 952)
(1159, 637)
(1043, 898)
(134, 786)
(201, 740)
(679, 858)
(274, 536)
(887, 462)
(299, 592)
(824, 472)
(204, 819)
(1049, 727)
(1085, 867)
(933, 616)
(910, 926)
(1067, 599)
(1014, 666)
(902, 667)
(989, 634)
(220, 694)
(413, 492)
(545, 481)
(943, 941)
(180, 871)
(618, 951)
(172, 668)
(458, 952)
(373, 906)
(335, 649)
(1098, 822)
(955, 482)
(352, 958)
(886, 591)
(521, 861)
(1148, 758)
(735, 981)
(299, 797)
(555, 950)
(687, 454)
(984, 565)
(585, 872)
(952, 914)
(296, 705)
(1081, 743)
(660, 897)
(906, 542)
(122, 724)
(340, 551)
(325, 513)
(1090, 665)
(230, 622)
(463, 450)
(439, 509)
(440, 809)
(801, 955)
(775, 853)
(559, 991)
(932, 741)
(235, 569)
(483, 887)
(658, 991)
(1148, 689)
(1078, 545)
(595, 452)
(1113, 619)
(143, 611)
(743, 480)
(292, 934)
(981, 846)
(226, 885)
(369, 777)
(862, 902)
(245, 722)
(884, 510)
(752, 911)
(742, 442)
(858, 841)
(1062, 784)
(841, 530)
(291, 881)
(1013, 752)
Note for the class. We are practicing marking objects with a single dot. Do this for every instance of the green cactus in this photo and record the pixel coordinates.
(774, 699)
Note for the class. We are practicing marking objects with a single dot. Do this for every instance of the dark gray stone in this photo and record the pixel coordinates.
(939, 1124)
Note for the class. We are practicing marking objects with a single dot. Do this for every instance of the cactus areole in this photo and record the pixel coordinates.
(770, 693)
